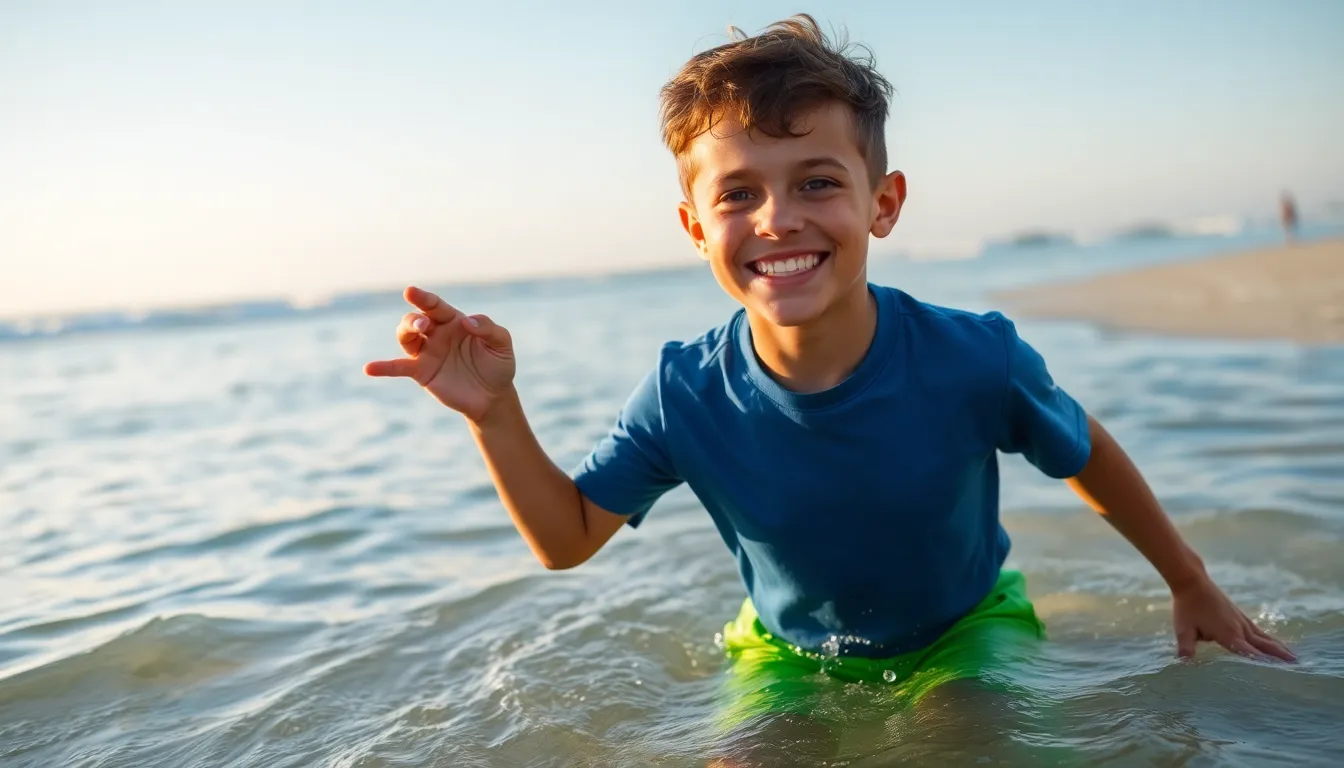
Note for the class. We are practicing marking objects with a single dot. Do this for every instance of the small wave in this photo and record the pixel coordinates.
(470, 537)
(113, 321)
(62, 711)
(320, 541)
(250, 533)
(67, 624)
(1277, 450)
(1235, 523)
(121, 320)
(178, 649)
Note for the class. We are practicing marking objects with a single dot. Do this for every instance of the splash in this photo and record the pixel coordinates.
(836, 644)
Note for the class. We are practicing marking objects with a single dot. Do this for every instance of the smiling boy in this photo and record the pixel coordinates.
(842, 435)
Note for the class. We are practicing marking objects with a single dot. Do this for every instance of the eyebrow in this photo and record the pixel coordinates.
(817, 162)
(808, 164)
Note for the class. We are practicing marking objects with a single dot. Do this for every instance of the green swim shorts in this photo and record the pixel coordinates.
(768, 676)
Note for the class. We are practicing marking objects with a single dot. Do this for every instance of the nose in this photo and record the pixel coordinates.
(777, 217)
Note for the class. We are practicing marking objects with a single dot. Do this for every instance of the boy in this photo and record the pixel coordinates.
(842, 435)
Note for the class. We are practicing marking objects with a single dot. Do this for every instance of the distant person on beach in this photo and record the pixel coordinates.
(842, 435)
(1288, 216)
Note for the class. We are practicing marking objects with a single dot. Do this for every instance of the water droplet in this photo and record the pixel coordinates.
(831, 647)
(639, 682)
(583, 698)
(1269, 615)
(889, 675)
(718, 639)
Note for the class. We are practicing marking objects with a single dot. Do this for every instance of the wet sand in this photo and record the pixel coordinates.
(1293, 292)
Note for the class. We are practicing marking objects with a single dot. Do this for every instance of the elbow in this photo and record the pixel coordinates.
(568, 549)
(561, 561)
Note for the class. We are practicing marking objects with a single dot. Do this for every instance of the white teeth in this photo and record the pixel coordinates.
(788, 266)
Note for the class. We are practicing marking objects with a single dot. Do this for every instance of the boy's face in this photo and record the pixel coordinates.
(784, 223)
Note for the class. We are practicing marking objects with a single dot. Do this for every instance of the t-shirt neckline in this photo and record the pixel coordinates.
(874, 360)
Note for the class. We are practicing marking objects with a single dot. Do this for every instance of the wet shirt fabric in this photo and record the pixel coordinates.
(864, 518)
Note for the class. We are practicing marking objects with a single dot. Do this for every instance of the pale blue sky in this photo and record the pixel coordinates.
(157, 153)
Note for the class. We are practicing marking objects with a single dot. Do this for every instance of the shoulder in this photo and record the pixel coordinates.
(682, 378)
(950, 328)
(957, 350)
(695, 362)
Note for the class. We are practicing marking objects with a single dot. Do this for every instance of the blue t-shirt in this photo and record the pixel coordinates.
(864, 518)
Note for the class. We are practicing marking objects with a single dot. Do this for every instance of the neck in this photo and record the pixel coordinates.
(821, 354)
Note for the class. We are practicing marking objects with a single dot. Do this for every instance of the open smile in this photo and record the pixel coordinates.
(788, 265)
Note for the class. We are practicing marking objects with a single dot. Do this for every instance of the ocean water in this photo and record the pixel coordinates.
(222, 545)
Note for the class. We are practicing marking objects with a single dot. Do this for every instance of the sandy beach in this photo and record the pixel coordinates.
(1293, 292)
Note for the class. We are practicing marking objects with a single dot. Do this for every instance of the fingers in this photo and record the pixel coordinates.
(1185, 642)
(411, 332)
(1255, 644)
(1241, 647)
(402, 367)
(495, 337)
(435, 308)
(1269, 646)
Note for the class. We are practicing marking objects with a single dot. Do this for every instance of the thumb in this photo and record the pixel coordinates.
(496, 337)
(1186, 638)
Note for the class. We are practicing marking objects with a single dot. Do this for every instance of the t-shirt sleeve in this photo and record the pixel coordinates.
(1039, 419)
(629, 469)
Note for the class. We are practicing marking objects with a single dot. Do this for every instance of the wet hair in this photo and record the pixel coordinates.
(767, 82)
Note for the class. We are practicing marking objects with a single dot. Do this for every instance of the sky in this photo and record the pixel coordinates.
(156, 153)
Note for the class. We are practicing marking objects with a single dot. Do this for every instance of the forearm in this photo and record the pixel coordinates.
(1113, 486)
(543, 501)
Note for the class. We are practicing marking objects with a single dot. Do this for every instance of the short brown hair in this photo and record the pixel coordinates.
(766, 81)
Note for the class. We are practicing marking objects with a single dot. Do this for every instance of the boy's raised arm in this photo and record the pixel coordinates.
(559, 523)
(467, 363)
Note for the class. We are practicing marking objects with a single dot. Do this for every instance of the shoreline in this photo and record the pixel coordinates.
(1292, 292)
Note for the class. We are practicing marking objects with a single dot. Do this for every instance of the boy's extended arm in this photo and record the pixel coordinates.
(559, 523)
(466, 362)
(1113, 486)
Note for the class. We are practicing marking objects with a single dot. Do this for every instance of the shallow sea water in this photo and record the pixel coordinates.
(223, 545)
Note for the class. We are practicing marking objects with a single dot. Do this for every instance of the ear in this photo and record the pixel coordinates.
(887, 201)
(691, 223)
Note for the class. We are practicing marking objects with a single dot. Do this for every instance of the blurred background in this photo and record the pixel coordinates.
(221, 544)
(177, 153)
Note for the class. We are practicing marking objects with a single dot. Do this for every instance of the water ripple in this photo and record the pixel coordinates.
(222, 549)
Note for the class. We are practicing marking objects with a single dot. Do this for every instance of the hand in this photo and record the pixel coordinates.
(1201, 611)
(466, 362)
